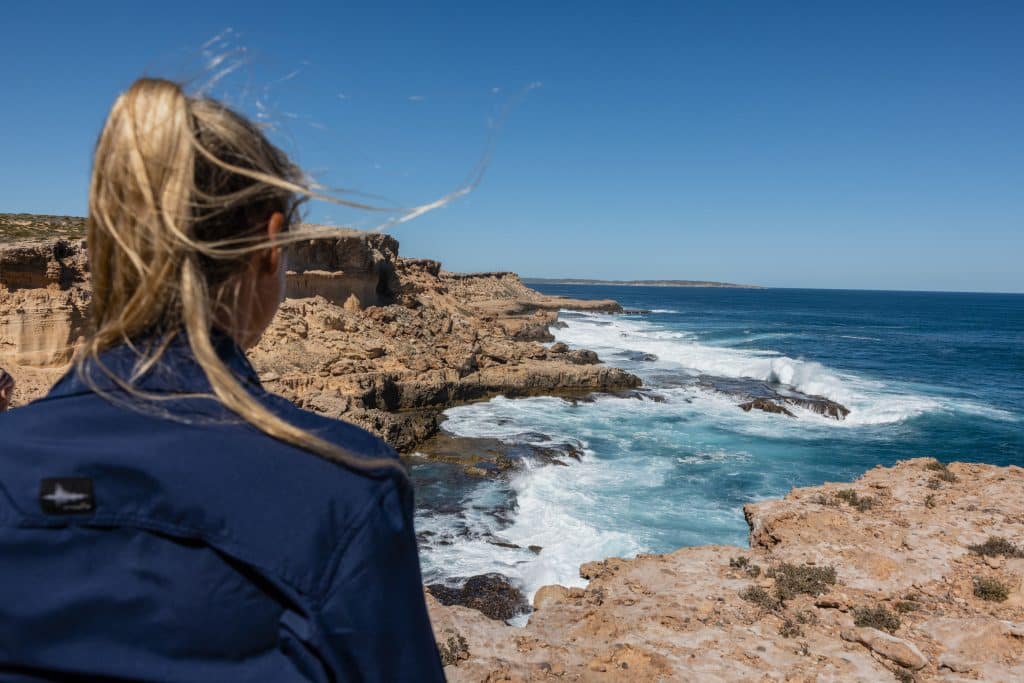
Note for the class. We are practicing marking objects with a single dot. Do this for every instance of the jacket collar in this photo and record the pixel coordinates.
(177, 371)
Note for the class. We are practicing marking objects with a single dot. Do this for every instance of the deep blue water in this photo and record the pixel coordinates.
(924, 374)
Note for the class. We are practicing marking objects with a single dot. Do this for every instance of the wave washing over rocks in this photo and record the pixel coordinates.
(911, 573)
(667, 465)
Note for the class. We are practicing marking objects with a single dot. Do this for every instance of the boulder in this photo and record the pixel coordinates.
(898, 650)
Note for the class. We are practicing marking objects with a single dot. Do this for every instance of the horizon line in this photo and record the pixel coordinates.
(730, 285)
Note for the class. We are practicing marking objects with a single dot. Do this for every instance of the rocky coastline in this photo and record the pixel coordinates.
(874, 580)
(910, 573)
(363, 335)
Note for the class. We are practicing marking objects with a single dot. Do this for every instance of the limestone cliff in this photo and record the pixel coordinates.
(43, 307)
(363, 334)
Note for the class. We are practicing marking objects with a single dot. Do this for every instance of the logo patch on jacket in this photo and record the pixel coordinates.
(66, 495)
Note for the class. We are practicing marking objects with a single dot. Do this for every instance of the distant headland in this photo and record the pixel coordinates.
(636, 283)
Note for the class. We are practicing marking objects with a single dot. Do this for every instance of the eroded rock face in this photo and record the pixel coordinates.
(447, 339)
(363, 335)
(360, 265)
(712, 613)
(58, 264)
(44, 300)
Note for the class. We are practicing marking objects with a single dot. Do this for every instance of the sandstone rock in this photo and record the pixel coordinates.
(350, 263)
(364, 335)
(548, 595)
(44, 305)
(582, 357)
(898, 650)
(352, 303)
(685, 610)
(57, 264)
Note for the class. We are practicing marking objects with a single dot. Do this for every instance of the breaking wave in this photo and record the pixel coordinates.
(870, 402)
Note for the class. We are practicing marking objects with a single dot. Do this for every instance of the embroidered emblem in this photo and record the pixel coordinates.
(66, 495)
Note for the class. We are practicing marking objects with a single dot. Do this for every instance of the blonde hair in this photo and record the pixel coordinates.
(181, 191)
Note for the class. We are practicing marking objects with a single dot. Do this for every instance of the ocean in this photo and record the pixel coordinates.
(923, 374)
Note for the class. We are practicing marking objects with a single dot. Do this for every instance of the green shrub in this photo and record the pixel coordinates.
(990, 589)
(792, 580)
(904, 676)
(790, 629)
(876, 617)
(761, 598)
(866, 503)
(850, 497)
(752, 570)
(996, 545)
(806, 617)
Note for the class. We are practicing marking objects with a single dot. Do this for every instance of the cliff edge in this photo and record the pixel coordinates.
(910, 573)
(363, 334)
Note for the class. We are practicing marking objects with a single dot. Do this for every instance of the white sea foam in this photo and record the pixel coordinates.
(982, 410)
(870, 402)
(571, 513)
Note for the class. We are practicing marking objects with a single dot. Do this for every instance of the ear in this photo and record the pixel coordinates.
(272, 256)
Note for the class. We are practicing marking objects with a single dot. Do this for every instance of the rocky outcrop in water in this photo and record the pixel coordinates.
(772, 398)
(910, 573)
(487, 457)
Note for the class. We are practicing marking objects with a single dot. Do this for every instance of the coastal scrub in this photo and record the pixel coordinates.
(995, 546)
(792, 580)
(993, 590)
(876, 617)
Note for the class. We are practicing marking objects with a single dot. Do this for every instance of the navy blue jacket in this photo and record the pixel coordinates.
(177, 543)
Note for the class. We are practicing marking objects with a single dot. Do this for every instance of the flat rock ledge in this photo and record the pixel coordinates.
(911, 573)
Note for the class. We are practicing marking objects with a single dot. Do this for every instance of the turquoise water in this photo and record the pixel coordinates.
(923, 374)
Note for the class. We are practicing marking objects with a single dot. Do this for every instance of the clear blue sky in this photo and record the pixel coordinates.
(860, 144)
